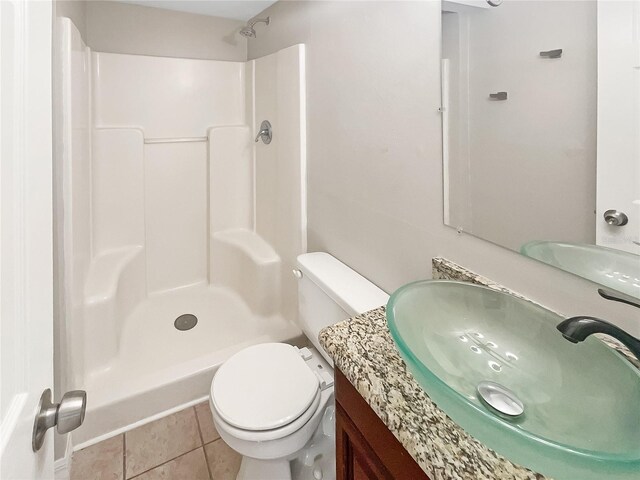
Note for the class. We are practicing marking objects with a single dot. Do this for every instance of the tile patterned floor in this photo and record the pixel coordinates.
(184, 445)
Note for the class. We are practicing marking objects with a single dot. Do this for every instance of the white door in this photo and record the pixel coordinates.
(26, 281)
(619, 122)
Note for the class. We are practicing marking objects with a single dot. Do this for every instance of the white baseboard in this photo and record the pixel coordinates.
(62, 466)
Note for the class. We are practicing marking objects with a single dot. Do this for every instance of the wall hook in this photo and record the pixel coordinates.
(498, 96)
(557, 53)
(265, 134)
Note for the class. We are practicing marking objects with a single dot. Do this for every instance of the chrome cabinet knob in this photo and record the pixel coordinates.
(65, 416)
(615, 218)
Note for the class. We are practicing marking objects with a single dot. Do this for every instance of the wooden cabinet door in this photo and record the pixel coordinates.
(365, 448)
(355, 459)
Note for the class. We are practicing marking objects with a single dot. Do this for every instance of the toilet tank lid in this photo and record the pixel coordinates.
(354, 293)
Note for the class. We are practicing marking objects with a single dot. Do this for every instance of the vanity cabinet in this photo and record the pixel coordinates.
(365, 448)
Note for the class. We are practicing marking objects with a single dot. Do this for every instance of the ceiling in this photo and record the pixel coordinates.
(237, 9)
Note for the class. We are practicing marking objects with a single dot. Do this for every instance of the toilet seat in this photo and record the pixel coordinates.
(261, 436)
(265, 388)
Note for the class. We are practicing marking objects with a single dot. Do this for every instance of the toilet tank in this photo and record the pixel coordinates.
(329, 292)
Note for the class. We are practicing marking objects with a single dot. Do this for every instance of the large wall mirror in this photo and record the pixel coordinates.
(541, 131)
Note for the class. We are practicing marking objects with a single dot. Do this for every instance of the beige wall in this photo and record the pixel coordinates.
(76, 10)
(374, 151)
(114, 27)
(123, 28)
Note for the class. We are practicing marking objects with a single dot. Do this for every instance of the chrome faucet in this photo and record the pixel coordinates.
(577, 329)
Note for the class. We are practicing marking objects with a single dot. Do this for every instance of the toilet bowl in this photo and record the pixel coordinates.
(267, 402)
(274, 403)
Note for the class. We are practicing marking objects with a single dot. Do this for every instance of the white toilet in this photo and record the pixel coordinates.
(273, 403)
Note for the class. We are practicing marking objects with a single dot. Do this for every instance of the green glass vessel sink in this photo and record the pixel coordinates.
(581, 402)
(609, 267)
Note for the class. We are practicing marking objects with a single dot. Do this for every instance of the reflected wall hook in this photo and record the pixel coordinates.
(557, 53)
(619, 297)
(498, 96)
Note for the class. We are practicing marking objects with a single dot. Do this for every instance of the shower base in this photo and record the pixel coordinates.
(160, 369)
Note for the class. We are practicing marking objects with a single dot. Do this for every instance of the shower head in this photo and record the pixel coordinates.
(248, 30)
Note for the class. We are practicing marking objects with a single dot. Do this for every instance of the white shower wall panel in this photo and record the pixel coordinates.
(167, 97)
(176, 214)
(79, 163)
(267, 164)
(280, 173)
(76, 187)
(231, 173)
(118, 199)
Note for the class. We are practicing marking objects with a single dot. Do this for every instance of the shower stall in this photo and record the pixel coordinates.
(170, 208)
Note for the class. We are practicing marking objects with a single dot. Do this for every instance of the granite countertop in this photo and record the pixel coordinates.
(362, 348)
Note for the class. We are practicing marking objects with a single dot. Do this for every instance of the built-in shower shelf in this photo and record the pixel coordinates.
(243, 261)
(250, 243)
(115, 285)
(105, 272)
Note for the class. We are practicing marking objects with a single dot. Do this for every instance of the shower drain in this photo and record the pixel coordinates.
(185, 322)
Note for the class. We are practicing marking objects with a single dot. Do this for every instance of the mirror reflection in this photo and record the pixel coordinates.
(541, 131)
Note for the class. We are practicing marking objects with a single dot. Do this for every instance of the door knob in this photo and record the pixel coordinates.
(615, 218)
(66, 415)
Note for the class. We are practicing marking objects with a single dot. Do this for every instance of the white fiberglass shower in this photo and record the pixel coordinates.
(171, 208)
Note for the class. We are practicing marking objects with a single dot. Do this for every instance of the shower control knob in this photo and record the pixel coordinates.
(65, 416)
(615, 218)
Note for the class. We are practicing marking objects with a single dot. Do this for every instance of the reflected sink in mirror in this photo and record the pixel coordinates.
(581, 402)
(612, 268)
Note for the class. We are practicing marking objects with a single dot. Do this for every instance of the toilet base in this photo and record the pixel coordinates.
(254, 469)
